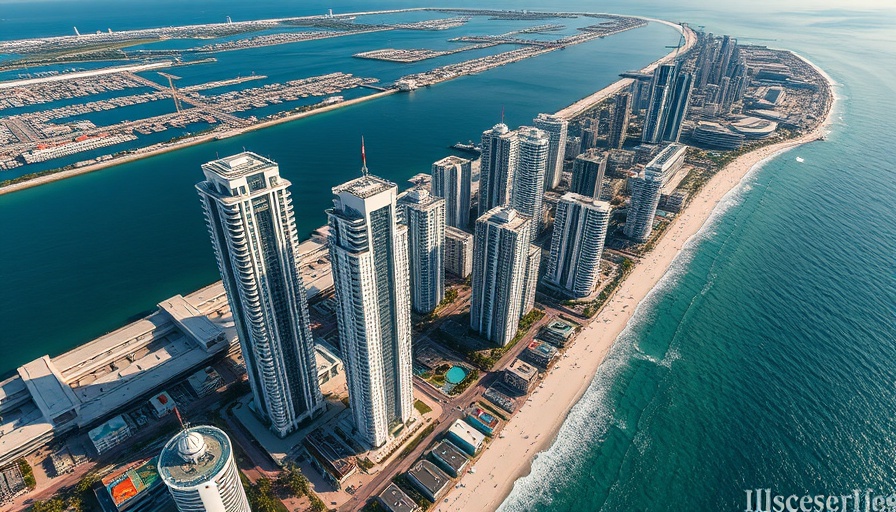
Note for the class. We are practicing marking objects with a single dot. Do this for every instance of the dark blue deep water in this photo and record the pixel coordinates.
(765, 359)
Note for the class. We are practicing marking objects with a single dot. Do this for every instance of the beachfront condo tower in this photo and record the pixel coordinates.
(555, 128)
(527, 196)
(369, 254)
(452, 181)
(580, 229)
(500, 258)
(424, 215)
(646, 190)
(498, 163)
(198, 467)
(249, 215)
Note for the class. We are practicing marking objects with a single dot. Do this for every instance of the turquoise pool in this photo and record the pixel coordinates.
(455, 375)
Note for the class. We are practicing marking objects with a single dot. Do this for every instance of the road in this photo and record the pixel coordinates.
(453, 408)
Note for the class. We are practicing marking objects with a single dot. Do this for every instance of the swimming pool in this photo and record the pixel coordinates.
(455, 375)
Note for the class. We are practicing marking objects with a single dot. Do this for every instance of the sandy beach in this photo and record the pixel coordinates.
(535, 426)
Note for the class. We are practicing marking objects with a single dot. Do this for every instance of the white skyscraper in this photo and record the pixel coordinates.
(451, 180)
(498, 163)
(500, 259)
(556, 129)
(197, 466)
(369, 254)
(249, 215)
(528, 178)
(424, 215)
(580, 229)
(646, 190)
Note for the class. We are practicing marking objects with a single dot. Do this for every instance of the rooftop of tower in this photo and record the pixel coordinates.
(586, 200)
(451, 160)
(194, 456)
(506, 216)
(365, 186)
(592, 155)
(241, 164)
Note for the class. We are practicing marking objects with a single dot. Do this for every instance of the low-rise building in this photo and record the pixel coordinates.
(520, 376)
(205, 382)
(393, 499)
(541, 353)
(482, 421)
(557, 333)
(50, 397)
(162, 404)
(134, 487)
(465, 437)
(449, 458)
(110, 434)
(328, 363)
(330, 457)
(431, 481)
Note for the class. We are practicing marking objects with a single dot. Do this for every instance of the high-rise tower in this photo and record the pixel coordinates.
(646, 190)
(498, 163)
(197, 466)
(580, 228)
(678, 107)
(249, 215)
(424, 215)
(500, 259)
(619, 122)
(451, 180)
(555, 128)
(369, 254)
(661, 90)
(588, 173)
(528, 179)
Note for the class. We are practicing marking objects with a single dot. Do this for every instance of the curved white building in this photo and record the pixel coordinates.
(249, 214)
(556, 129)
(497, 166)
(528, 180)
(197, 466)
(647, 188)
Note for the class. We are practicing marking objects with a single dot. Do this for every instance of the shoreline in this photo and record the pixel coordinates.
(582, 105)
(547, 409)
(579, 106)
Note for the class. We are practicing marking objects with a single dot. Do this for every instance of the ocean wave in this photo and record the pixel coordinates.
(591, 418)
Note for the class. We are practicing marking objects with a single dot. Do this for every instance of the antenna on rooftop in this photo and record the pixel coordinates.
(179, 418)
(364, 171)
(502, 114)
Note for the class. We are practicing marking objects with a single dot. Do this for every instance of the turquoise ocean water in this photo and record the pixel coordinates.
(765, 359)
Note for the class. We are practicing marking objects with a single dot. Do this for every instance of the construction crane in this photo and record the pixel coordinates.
(174, 96)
